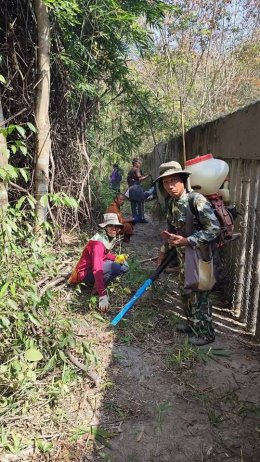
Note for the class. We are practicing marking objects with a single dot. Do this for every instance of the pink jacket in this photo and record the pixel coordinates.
(92, 258)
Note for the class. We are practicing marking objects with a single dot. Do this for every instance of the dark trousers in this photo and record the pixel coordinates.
(110, 271)
(137, 208)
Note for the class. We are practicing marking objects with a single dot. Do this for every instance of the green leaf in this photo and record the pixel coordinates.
(32, 202)
(12, 304)
(71, 202)
(31, 127)
(24, 174)
(4, 321)
(98, 317)
(33, 355)
(20, 202)
(49, 365)
(63, 356)
(20, 130)
(44, 200)
(2, 79)
(34, 320)
(4, 289)
(23, 149)
(12, 172)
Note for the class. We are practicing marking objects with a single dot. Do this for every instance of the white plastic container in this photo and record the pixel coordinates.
(207, 173)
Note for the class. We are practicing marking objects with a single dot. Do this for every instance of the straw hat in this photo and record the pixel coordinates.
(171, 168)
(110, 219)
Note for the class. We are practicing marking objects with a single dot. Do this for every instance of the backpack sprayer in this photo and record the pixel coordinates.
(207, 176)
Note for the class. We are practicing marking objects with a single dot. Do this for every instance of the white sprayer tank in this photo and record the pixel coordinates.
(207, 173)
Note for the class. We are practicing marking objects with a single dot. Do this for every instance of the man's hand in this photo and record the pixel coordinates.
(103, 304)
(177, 241)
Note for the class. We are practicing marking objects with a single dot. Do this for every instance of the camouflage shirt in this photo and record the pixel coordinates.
(206, 225)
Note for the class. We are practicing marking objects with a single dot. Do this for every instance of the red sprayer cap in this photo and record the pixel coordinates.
(198, 159)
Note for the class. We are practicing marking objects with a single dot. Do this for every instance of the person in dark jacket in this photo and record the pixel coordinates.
(115, 178)
(136, 192)
(128, 223)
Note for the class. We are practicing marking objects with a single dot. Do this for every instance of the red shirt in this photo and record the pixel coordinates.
(92, 258)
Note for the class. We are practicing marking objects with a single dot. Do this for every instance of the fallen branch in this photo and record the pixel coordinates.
(54, 282)
(42, 281)
(90, 373)
(148, 259)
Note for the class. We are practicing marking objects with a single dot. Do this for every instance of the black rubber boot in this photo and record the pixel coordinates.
(183, 328)
(199, 341)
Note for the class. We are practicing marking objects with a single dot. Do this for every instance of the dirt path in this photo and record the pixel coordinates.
(159, 399)
(162, 400)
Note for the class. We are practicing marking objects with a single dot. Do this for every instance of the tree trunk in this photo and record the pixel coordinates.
(3, 161)
(43, 142)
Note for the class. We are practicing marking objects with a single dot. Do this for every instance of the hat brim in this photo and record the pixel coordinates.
(171, 172)
(111, 223)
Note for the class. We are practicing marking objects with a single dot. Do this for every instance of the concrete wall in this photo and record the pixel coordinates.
(234, 136)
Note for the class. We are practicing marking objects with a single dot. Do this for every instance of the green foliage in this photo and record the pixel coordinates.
(11, 441)
(59, 199)
(34, 336)
(45, 447)
(137, 275)
(97, 433)
(103, 195)
(161, 409)
(185, 355)
(15, 136)
(97, 37)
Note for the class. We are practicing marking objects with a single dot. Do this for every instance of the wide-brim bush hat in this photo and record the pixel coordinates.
(168, 169)
(110, 219)
(171, 168)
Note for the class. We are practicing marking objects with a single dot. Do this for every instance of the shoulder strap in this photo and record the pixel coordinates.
(191, 200)
(191, 212)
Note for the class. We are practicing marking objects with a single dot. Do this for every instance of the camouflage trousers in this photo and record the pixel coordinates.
(197, 305)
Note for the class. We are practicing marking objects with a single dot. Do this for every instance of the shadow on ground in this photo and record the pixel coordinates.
(159, 399)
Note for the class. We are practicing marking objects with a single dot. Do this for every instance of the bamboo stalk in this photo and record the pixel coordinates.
(183, 134)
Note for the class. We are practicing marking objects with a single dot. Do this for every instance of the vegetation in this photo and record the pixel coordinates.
(85, 84)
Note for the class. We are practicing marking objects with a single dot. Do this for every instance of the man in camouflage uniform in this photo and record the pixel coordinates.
(172, 184)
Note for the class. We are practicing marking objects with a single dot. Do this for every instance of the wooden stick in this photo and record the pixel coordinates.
(52, 283)
(90, 373)
(148, 259)
(55, 281)
(183, 134)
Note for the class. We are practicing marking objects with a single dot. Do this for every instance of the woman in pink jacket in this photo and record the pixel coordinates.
(97, 265)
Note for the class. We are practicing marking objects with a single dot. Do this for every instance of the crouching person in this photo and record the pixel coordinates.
(128, 223)
(172, 184)
(97, 265)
